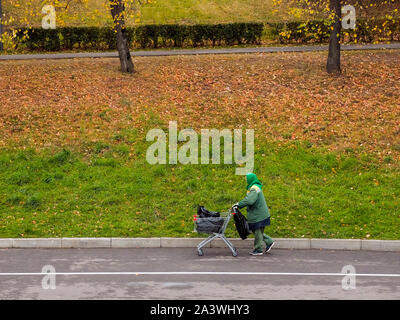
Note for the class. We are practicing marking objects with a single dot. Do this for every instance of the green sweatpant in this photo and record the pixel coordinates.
(259, 238)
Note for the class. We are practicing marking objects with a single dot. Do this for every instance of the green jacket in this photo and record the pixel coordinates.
(257, 209)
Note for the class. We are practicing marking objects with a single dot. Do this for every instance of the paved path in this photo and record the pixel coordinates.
(178, 273)
(194, 52)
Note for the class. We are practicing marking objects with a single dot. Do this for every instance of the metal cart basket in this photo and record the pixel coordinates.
(215, 226)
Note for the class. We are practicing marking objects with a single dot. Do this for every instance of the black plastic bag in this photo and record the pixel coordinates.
(204, 213)
(241, 223)
(209, 225)
(208, 221)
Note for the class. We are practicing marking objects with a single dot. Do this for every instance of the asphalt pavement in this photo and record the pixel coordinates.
(179, 273)
(152, 53)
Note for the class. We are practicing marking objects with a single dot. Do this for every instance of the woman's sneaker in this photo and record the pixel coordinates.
(256, 253)
(268, 249)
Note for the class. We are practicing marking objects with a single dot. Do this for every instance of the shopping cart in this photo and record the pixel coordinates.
(215, 226)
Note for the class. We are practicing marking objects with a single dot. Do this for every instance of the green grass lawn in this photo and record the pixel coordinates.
(311, 193)
(209, 11)
(159, 11)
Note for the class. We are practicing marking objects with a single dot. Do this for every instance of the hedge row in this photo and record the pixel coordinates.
(318, 31)
(146, 36)
(154, 36)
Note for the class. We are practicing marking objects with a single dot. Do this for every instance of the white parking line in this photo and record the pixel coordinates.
(201, 273)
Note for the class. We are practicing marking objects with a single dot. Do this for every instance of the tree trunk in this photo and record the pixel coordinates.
(117, 12)
(1, 27)
(333, 64)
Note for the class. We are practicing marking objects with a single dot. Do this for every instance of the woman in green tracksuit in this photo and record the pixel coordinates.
(258, 215)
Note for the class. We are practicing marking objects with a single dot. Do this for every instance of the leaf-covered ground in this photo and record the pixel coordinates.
(284, 96)
(72, 139)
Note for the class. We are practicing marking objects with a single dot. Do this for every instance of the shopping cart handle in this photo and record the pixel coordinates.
(233, 210)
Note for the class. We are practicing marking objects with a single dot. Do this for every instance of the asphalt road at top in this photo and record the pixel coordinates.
(178, 273)
(152, 53)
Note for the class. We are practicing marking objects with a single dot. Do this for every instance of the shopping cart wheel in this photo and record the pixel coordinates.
(234, 253)
(200, 252)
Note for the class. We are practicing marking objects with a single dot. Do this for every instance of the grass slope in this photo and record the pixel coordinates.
(95, 12)
(310, 194)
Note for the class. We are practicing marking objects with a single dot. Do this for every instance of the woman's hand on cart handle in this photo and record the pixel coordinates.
(235, 206)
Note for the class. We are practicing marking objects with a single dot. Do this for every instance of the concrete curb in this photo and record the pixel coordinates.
(343, 244)
(280, 243)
